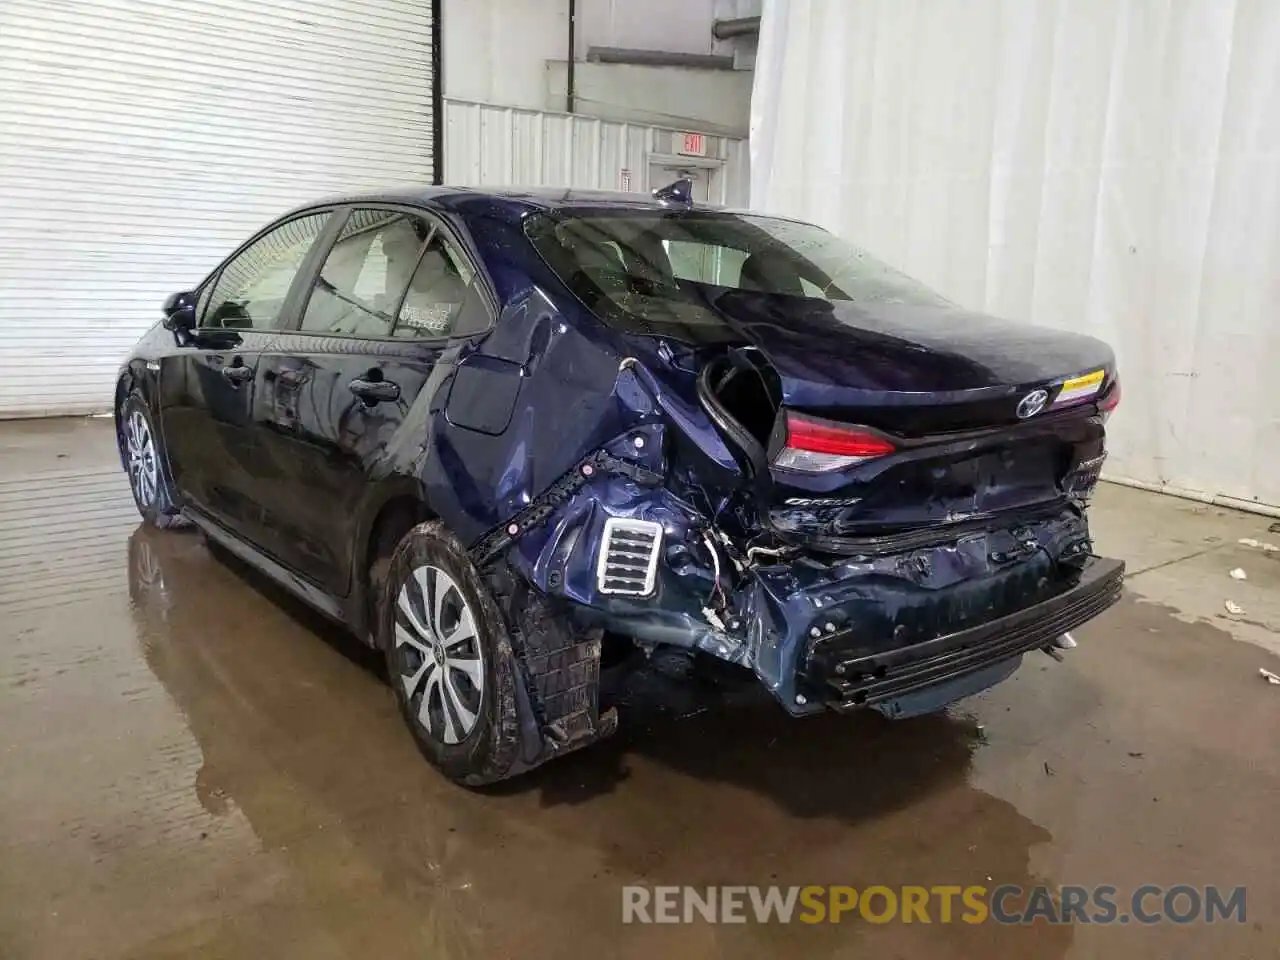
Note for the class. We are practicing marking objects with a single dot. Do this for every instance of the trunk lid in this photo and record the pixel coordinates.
(966, 418)
(956, 368)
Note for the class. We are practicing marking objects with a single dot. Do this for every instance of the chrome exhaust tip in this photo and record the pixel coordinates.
(1064, 642)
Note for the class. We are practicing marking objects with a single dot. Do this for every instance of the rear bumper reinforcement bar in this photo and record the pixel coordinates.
(875, 678)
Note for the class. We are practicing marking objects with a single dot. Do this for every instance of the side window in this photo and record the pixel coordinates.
(251, 289)
(366, 274)
(812, 290)
(442, 286)
(202, 304)
(704, 263)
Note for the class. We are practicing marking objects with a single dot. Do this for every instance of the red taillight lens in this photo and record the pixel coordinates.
(817, 436)
(815, 446)
(1112, 398)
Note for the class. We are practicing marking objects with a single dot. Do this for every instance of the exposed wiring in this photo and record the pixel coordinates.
(729, 547)
(715, 564)
(763, 551)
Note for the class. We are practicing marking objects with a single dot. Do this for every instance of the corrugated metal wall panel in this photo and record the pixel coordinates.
(140, 142)
(487, 145)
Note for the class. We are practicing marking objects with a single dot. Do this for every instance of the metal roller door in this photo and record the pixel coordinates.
(140, 142)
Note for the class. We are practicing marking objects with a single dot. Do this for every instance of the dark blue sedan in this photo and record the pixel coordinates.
(506, 436)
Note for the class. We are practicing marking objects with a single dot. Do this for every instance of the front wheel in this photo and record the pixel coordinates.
(145, 463)
(449, 658)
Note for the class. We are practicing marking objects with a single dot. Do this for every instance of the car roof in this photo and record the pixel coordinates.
(512, 203)
(512, 200)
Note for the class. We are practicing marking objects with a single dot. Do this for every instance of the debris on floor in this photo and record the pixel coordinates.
(1259, 545)
(1270, 677)
(1233, 608)
(1239, 574)
(1274, 528)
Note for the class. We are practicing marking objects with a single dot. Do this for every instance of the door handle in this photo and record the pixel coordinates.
(238, 373)
(374, 391)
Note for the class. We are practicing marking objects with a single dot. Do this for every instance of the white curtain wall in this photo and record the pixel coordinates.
(1106, 166)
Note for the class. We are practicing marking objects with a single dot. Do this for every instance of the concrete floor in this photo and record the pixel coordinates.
(192, 766)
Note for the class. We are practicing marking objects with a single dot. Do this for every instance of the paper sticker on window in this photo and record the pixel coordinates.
(1079, 388)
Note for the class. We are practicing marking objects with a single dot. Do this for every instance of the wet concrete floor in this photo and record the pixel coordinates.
(193, 766)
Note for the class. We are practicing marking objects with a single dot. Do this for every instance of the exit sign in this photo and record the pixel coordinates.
(695, 145)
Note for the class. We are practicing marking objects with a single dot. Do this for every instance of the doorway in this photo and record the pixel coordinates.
(707, 176)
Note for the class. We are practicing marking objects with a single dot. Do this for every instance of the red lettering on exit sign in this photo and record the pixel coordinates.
(695, 145)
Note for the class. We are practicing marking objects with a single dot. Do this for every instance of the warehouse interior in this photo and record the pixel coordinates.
(194, 763)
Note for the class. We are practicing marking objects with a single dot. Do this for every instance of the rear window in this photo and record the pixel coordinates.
(674, 274)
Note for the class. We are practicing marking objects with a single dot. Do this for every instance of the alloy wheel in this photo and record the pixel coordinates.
(140, 451)
(438, 651)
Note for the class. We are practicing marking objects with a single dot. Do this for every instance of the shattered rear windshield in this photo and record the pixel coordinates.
(663, 273)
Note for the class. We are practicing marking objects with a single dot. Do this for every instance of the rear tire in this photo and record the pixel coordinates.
(449, 658)
(146, 465)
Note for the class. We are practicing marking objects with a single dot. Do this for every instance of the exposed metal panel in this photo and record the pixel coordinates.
(140, 142)
(1105, 166)
(487, 145)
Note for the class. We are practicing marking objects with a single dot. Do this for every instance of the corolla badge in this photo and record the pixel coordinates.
(1032, 403)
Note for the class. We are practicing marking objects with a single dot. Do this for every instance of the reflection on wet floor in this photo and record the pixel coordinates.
(193, 765)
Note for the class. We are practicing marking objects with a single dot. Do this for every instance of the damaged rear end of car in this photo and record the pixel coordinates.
(810, 467)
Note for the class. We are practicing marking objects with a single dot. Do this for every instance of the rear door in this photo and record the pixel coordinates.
(347, 396)
(207, 387)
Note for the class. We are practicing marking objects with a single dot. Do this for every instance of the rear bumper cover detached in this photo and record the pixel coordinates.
(900, 631)
(877, 678)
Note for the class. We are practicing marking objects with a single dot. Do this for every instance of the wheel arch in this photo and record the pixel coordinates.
(397, 510)
(135, 378)
(124, 387)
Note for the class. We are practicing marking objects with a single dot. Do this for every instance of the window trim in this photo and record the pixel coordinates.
(432, 230)
(436, 223)
(211, 281)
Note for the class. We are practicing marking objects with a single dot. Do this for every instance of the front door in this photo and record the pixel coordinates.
(348, 395)
(207, 388)
(206, 409)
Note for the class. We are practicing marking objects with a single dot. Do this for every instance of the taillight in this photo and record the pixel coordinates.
(816, 446)
(1111, 399)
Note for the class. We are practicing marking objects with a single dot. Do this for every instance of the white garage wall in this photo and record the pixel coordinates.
(1107, 166)
(140, 142)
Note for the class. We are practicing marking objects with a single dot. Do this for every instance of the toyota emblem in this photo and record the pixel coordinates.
(1032, 403)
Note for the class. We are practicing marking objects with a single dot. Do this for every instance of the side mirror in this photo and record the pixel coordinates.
(180, 311)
